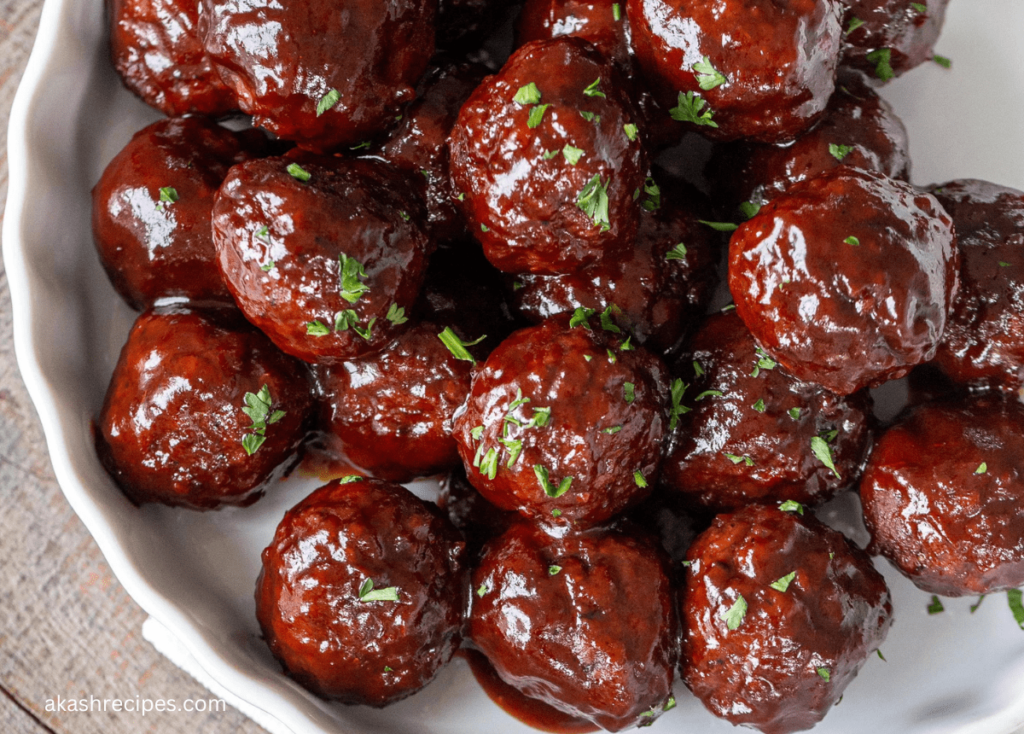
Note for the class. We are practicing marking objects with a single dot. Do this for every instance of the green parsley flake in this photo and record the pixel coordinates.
(257, 407)
(554, 570)
(317, 328)
(536, 115)
(974, 607)
(677, 253)
(593, 90)
(545, 482)
(168, 194)
(548, 155)
(298, 172)
(263, 232)
(720, 226)
(943, 61)
(606, 319)
(1014, 600)
(764, 362)
(396, 315)
(556, 512)
(738, 459)
(352, 275)
(690, 108)
(458, 347)
(593, 201)
(822, 450)
(613, 430)
(935, 606)
(580, 317)
(631, 131)
(919, 7)
(855, 23)
(641, 482)
(489, 464)
(749, 209)
(825, 674)
(792, 506)
(678, 409)
(982, 468)
(783, 583)
(590, 116)
(541, 417)
(350, 478)
(1004, 264)
(708, 77)
(759, 406)
(268, 266)
(794, 413)
(484, 228)
(697, 369)
(616, 12)
(839, 151)
(734, 615)
(629, 392)
(327, 101)
(528, 94)
(669, 704)
(708, 394)
(367, 593)
(572, 154)
(880, 655)
(653, 191)
(361, 146)
(851, 240)
(882, 59)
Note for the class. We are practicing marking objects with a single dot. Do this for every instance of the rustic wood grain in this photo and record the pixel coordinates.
(67, 628)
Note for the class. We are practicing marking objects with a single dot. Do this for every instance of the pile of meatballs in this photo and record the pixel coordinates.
(479, 240)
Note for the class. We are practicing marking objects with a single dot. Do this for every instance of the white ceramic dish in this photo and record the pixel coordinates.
(954, 672)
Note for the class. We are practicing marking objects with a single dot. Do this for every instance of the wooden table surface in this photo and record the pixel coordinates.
(67, 628)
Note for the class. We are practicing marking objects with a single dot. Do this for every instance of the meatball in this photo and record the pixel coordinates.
(751, 433)
(601, 22)
(779, 613)
(848, 279)
(546, 158)
(202, 410)
(324, 73)
(660, 289)
(156, 48)
(419, 146)
(151, 211)
(598, 614)
(564, 423)
(758, 69)
(886, 38)
(390, 413)
(942, 496)
(984, 340)
(361, 592)
(325, 255)
(859, 129)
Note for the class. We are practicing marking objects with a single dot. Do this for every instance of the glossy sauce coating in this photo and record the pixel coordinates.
(770, 671)
(391, 412)
(846, 314)
(419, 145)
(942, 496)
(172, 425)
(281, 60)
(585, 623)
(660, 299)
(529, 206)
(155, 47)
(152, 246)
(778, 60)
(983, 343)
(337, 643)
(279, 246)
(605, 426)
(890, 25)
(592, 20)
(871, 135)
(753, 418)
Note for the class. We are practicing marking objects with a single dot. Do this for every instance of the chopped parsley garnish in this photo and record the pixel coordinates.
(548, 155)
(839, 151)
(629, 392)
(631, 131)
(677, 253)
(350, 478)
(396, 315)
(361, 146)
(825, 673)
(982, 468)
(458, 347)
(263, 232)
(783, 583)
(553, 570)
(536, 115)
(829, 436)
(935, 606)
(678, 409)
(606, 319)
(734, 615)
(556, 512)
(352, 275)
(593, 200)
(489, 463)
(1016, 603)
(528, 94)
(572, 155)
(514, 447)
(738, 459)
(317, 328)
(720, 226)
(653, 191)
(943, 61)
(616, 12)
(855, 23)
(484, 228)
(388, 669)
(794, 413)
(541, 417)
(690, 108)
(640, 480)
(168, 194)
(327, 102)
(749, 209)
(792, 506)
(708, 394)
(764, 362)
(612, 430)
(477, 433)
(298, 172)
(593, 90)
(880, 655)
(368, 593)
(851, 240)
(882, 59)
(1004, 264)
(268, 266)
(759, 406)
(611, 357)
(545, 482)
(708, 77)
(975, 605)
(822, 450)
(919, 7)
(697, 369)
(590, 116)
(349, 318)
(404, 215)
(257, 407)
(669, 704)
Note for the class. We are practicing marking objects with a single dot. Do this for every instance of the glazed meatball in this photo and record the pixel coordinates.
(361, 593)
(546, 158)
(156, 48)
(859, 129)
(601, 22)
(779, 613)
(754, 434)
(202, 410)
(325, 255)
(564, 423)
(760, 69)
(942, 496)
(984, 339)
(324, 73)
(151, 211)
(390, 413)
(419, 146)
(885, 38)
(598, 615)
(848, 279)
(660, 289)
